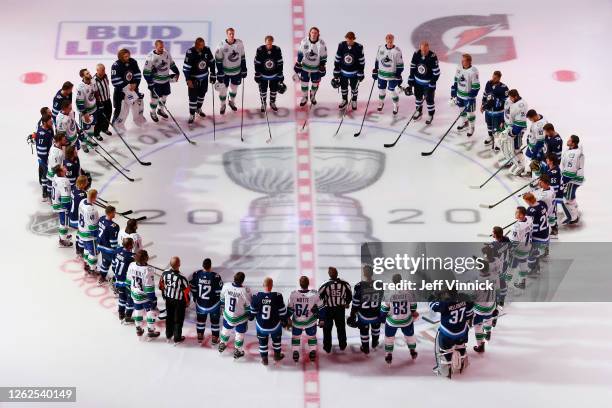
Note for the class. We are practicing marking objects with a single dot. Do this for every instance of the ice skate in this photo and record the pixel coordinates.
(222, 109)
(154, 117)
(304, 100)
(418, 114)
(343, 104)
(381, 105)
(273, 106)
(354, 105)
(232, 105)
(429, 119)
(161, 113)
(238, 354)
(191, 119)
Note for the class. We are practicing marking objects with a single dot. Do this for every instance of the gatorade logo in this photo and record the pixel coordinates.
(102, 39)
(486, 38)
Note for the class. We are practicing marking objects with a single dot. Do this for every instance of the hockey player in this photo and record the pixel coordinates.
(398, 311)
(130, 231)
(108, 232)
(552, 141)
(515, 117)
(572, 172)
(501, 246)
(348, 69)
(268, 309)
(269, 72)
(206, 288)
(125, 77)
(235, 304)
(77, 194)
(66, 123)
(554, 174)
(493, 102)
(60, 201)
(156, 72)
(64, 94)
(365, 310)
(141, 284)
(424, 73)
(464, 92)
(387, 71)
(44, 141)
(535, 139)
(199, 69)
(73, 164)
(121, 262)
(87, 106)
(520, 244)
(484, 304)
(56, 154)
(231, 68)
(88, 230)
(538, 212)
(452, 336)
(310, 65)
(306, 311)
(547, 194)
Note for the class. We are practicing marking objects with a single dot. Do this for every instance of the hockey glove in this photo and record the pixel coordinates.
(336, 75)
(432, 85)
(321, 323)
(360, 76)
(282, 88)
(322, 70)
(258, 78)
(151, 85)
(408, 90)
(351, 321)
(410, 81)
(375, 74)
(175, 77)
(212, 79)
(297, 68)
(335, 83)
(251, 317)
(243, 74)
(454, 91)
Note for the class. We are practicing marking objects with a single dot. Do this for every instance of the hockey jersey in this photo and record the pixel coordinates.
(206, 290)
(572, 166)
(520, 238)
(555, 180)
(349, 61)
(121, 263)
(88, 221)
(44, 141)
(454, 317)
(547, 197)
(76, 196)
(366, 301)
(539, 221)
(269, 310)
(60, 194)
(554, 145)
(494, 96)
(125, 73)
(56, 157)
(269, 63)
(235, 301)
(157, 67)
(515, 115)
(424, 69)
(86, 97)
(230, 58)
(467, 83)
(312, 55)
(535, 138)
(198, 64)
(398, 308)
(108, 231)
(140, 280)
(135, 237)
(58, 99)
(304, 308)
(389, 63)
(67, 124)
(73, 169)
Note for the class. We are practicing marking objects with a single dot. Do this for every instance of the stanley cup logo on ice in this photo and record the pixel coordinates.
(268, 239)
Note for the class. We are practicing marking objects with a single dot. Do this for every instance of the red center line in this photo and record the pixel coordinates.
(305, 202)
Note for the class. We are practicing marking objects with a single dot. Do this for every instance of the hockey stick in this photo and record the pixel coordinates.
(107, 201)
(95, 143)
(124, 213)
(366, 109)
(498, 170)
(444, 136)
(214, 122)
(267, 120)
(402, 132)
(508, 196)
(503, 228)
(342, 119)
(163, 104)
(115, 167)
(125, 143)
(242, 111)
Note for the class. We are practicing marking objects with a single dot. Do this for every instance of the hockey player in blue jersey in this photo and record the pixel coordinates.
(365, 310)
(554, 174)
(64, 94)
(44, 140)
(538, 211)
(493, 102)
(77, 194)
(268, 309)
(121, 262)
(424, 73)
(125, 77)
(108, 232)
(553, 143)
(206, 288)
(269, 72)
(348, 69)
(199, 70)
(452, 336)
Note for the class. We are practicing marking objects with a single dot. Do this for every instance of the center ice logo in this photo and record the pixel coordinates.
(102, 39)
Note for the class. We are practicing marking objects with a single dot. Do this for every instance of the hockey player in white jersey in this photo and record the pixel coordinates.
(535, 140)
(399, 311)
(306, 312)
(88, 230)
(130, 231)
(547, 194)
(141, 283)
(156, 72)
(515, 117)
(86, 105)
(464, 92)
(56, 154)
(230, 60)
(485, 300)
(572, 177)
(520, 245)
(65, 122)
(235, 304)
(60, 202)
(387, 71)
(310, 65)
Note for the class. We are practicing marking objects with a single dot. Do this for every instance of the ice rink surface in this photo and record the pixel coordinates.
(255, 207)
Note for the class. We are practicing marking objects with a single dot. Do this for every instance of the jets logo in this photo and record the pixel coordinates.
(269, 64)
(129, 76)
(486, 37)
(233, 56)
(202, 65)
(348, 59)
(421, 69)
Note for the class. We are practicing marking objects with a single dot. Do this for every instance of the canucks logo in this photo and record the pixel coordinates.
(386, 62)
(348, 59)
(162, 65)
(311, 55)
(233, 56)
(43, 224)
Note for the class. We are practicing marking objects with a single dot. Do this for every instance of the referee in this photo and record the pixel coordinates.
(175, 291)
(336, 297)
(103, 99)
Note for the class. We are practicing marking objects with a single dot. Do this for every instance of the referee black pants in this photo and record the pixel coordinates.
(106, 111)
(175, 310)
(334, 314)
